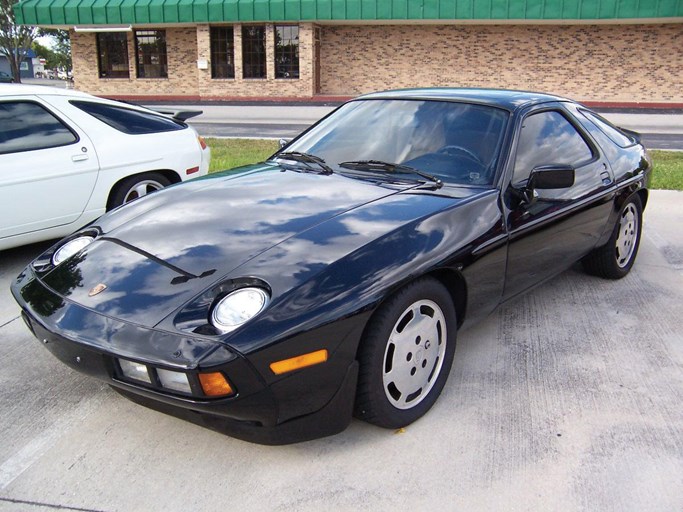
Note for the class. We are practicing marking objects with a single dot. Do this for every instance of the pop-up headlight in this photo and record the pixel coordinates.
(70, 248)
(237, 308)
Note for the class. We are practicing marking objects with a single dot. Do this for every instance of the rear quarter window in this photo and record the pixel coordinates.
(615, 134)
(127, 120)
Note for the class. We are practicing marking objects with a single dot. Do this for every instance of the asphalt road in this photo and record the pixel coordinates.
(568, 399)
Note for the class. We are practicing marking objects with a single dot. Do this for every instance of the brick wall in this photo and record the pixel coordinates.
(184, 47)
(618, 63)
(181, 50)
(621, 63)
(266, 87)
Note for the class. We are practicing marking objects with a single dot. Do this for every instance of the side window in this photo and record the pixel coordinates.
(27, 126)
(548, 138)
(126, 120)
(614, 133)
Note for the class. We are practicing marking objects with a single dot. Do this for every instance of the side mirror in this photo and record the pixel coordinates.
(283, 142)
(543, 177)
(551, 176)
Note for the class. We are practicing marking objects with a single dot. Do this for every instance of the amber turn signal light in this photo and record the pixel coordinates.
(215, 384)
(302, 361)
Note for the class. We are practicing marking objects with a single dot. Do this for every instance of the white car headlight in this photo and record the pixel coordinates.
(70, 248)
(237, 308)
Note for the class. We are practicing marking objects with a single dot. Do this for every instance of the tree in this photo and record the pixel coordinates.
(61, 47)
(52, 60)
(15, 40)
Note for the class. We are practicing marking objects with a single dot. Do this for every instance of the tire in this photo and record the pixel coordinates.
(615, 259)
(402, 373)
(137, 186)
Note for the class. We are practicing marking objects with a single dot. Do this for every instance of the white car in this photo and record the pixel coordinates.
(67, 157)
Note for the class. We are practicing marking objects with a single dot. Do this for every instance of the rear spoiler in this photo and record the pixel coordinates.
(631, 133)
(179, 115)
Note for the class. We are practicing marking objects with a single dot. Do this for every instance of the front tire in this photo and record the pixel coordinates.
(406, 355)
(615, 259)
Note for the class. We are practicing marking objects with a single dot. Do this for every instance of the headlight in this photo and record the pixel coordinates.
(237, 308)
(70, 248)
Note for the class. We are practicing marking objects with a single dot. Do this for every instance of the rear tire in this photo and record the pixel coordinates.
(406, 355)
(137, 186)
(615, 259)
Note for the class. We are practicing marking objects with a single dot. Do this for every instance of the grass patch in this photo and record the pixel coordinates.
(229, 153)
(668, 170)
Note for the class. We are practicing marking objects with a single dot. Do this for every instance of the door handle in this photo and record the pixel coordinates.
(79, 158)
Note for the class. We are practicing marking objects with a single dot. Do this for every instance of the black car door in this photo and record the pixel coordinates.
(552, 228)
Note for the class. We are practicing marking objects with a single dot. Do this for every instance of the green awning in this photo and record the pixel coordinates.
(136, 12)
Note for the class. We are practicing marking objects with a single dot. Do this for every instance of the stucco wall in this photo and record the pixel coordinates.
(627, 63)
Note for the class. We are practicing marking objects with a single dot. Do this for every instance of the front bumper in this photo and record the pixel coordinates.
(91, 343)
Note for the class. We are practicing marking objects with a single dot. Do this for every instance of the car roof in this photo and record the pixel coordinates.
(47, 90)
(502, 98)
(40, 90)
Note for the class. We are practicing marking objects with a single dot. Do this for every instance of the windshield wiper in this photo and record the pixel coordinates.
(378, 165)
(306, 158)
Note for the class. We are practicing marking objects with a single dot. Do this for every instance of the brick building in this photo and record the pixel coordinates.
(609, 51)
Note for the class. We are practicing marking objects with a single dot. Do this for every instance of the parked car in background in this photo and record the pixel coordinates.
(6, 78)
(67, 157)
(333, 278)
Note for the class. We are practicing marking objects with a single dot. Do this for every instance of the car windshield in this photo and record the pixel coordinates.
(456, 142)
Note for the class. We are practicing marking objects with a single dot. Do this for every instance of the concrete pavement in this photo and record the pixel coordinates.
(568, 399)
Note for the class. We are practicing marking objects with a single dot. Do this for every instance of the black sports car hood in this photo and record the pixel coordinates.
(219, 222)
(161, 251)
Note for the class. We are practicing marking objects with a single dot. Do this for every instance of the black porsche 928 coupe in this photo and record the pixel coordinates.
(275, 302)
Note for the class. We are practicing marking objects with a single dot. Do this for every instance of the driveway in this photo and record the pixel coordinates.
(566, 399)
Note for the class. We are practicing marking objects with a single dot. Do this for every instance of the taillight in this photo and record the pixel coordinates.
(202, 142)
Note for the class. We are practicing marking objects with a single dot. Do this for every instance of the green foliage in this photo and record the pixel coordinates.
(61, 48)
(15, 40)
(51, 59)
(230, 153)
(668, 170)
